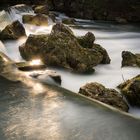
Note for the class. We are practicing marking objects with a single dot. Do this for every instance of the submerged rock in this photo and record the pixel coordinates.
(131, 90)
(43, 76)
(29, 66)
(38, 20)
(62, 49)
(68, 21)
(105, 95)
(121, 20)
(41, 9)
(130, 59)
(14, 30)
(10, 70)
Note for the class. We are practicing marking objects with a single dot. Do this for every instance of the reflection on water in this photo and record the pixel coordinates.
(57, 114)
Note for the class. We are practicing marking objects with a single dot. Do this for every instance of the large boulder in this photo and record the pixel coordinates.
(62, 49)
(131, 90)
(108, 96)
(14, 30)
(130, 59)
(38, 20)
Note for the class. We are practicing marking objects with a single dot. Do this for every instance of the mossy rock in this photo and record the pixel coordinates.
(131, 90)
(41, 9)
(87, 40)
(38, 20)
(69, 21)
(62, 49)
(108, 96)
(130, 59)
(106, 59)
(15, 30)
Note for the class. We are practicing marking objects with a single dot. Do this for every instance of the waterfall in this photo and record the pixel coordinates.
(2, 48)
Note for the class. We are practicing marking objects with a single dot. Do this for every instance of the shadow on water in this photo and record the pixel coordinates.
(58, 114)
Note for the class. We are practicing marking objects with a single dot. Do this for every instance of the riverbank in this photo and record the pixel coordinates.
(121, 11)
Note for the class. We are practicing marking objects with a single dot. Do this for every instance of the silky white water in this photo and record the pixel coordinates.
(114, 38)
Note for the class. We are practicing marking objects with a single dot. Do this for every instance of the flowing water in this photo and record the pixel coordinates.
(55, 113)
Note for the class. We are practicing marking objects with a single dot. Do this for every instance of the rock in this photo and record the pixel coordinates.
(10, 70)
(41, 9)
(60, 28)
(105, 95)
(52, 16)
(14, 30)
(42, 76)
(121, 20)
(131, 90)
(55, 77)
(130, 59)
(106, 59)
(68, 21)
(87, 41)
(28, 66)
(62, 49)
(38, 20)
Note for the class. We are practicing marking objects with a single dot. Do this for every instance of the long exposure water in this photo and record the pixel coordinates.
(55, 113)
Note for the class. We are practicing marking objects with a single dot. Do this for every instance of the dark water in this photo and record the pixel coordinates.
(58, 114)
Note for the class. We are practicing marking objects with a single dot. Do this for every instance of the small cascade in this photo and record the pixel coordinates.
(5, 19)
(17, 11)
(2, 48)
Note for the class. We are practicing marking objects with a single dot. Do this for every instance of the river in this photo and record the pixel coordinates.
(28, 113)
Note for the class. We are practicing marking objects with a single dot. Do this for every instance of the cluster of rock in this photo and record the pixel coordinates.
(130, 89)
(105, 95)
(38, 19)
(62, 48)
